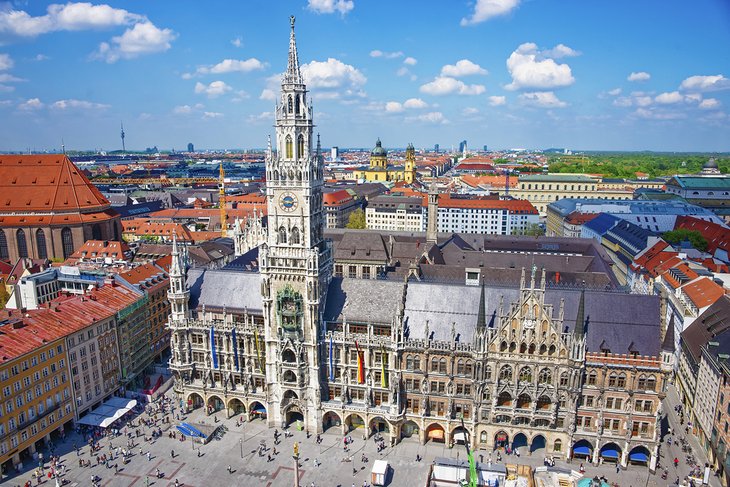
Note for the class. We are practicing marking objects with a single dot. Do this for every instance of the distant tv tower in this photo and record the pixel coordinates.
(122, 134)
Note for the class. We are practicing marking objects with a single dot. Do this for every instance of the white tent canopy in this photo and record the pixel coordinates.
(107, 413)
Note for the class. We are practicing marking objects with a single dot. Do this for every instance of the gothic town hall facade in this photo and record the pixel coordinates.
(567, 372)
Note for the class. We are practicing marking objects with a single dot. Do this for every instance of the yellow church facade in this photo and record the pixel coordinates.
(380, 171)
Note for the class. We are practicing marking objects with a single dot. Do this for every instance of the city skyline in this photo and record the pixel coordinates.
(505, 73)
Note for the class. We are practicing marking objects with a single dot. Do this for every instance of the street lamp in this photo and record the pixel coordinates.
(240, 441)
(296, 464)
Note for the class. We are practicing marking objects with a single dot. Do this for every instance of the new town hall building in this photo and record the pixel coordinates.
(567, 370)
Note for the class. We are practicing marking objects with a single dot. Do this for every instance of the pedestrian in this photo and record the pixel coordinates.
(172, 453)
(199, 453)
(149, 456)
(177, 484)
(147, 481)
(231, 471)
(618, 468)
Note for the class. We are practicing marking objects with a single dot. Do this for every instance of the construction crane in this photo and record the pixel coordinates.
(473, 476)
(222, 200)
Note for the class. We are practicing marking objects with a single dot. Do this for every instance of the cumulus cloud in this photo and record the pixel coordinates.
(386, 55)
(444, 85)
(411, 61)
(78, 104)
(639, 76)
(267, 94)
(6, 62)
(415, 103)
(669, 98)
(496, 101)
(430, 117)
(333, 78)
(705, 83)
(237, 41)
(614, 92)
(213, 90)
(561, 50)
(143, 38)
(69, 17)
(31, 104)
(9, 78)
(709, 103)
(486, 9)
(393, 107)
(655, 114)
(542, 99)
(209, 115)
(463, 67)
(261, 117)
(330, 6)
(411, 103)
(182, 110)
(228, 66)
(468, 111)
(531, 67)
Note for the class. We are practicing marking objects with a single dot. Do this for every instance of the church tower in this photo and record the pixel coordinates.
(409, 173)
(295, 260)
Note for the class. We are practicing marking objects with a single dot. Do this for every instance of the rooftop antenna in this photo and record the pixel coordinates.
(122, 135)
(63, 147)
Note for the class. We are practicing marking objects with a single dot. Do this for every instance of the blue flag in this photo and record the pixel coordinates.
(213, 353)
(235, 349)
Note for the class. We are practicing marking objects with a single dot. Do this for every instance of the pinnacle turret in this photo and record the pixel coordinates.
(293, 74)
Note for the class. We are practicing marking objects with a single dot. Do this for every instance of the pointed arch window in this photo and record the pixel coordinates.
(40, 240)
(297, 106)
(67, 241)
(282, 235)
(4, 254)
(300, 146)
(295, 235)
(289, 147)
(525, 374)
(291, 105)
(545, 377)
(22, 244)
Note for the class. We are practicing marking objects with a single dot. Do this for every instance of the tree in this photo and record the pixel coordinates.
(3, 294)
(531, 230)
(356, 220)
(681, 234)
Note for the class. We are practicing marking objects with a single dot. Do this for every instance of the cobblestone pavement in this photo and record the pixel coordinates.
(203, 465)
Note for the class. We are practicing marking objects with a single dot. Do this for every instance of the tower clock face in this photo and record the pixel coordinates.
(288, 202)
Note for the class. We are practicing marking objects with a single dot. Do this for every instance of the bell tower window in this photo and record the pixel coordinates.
(289, 145)
(291, 107)
(295, 235)
(282, 235)
(297, 107)
(300, 145)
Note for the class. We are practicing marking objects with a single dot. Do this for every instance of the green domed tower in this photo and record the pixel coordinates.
(378, 157)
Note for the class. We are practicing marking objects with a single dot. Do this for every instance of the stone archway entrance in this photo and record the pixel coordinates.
(538, 443)
(294, 416)
(257, 411)
(639, 455)
(583, 449)
(236, 407)
(610, 452)
(409, 430)
(519, 441)
(330, 420)
(435, 432)
(195, 401)
(354, 421)
(460, 436)
(379, 425)
(501, 440)
(214, 404)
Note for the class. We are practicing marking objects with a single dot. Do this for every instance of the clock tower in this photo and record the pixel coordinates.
(295, 260)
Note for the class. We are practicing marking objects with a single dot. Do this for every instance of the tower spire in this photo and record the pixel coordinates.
(293, 75)
(124, 149)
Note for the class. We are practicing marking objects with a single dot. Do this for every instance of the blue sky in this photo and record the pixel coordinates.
(610, 75)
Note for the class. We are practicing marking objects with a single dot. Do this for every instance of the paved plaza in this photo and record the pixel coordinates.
(197, 465)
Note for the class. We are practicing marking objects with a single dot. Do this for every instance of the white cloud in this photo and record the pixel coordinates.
(496, 101)
(229, 66)
(267, 94)
(143, 38)
(72, 16)
(145, 116)
(393, 107)
(486, 9)
(469, 111)
(444, 85)
(654, 114)
(411, 61)
(237, 41)
(213, 90)
(669, 98)
(78, 104)
(614, 92)
(41, 57)
(6, 62)
(431, 117)
(414, 103)
(463, 67)
(531, 68)
(709, 103)
(639, 76)
(705, 83)
(330, 6)
(386, 55)
(542, 99)
(402, 71)
(561, 50)
(334, 79)
(31, 104)
(209, 115)
(261, 117)
(9, 78)
(182, 110)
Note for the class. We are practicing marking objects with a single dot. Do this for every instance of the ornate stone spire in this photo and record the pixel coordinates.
(293, 75)
(175, 269)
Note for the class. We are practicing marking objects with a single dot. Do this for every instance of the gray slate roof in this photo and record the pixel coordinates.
(224, 288)
(362, 300)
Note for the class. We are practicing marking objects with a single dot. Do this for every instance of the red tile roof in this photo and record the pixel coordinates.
(703, 292)
(101, 248)
(336, 198)
(578, 218)
(46, 183)
(717, 236)
(493, 181)
(523, 206)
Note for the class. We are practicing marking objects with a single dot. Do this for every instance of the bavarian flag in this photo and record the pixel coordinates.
(360, 365)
